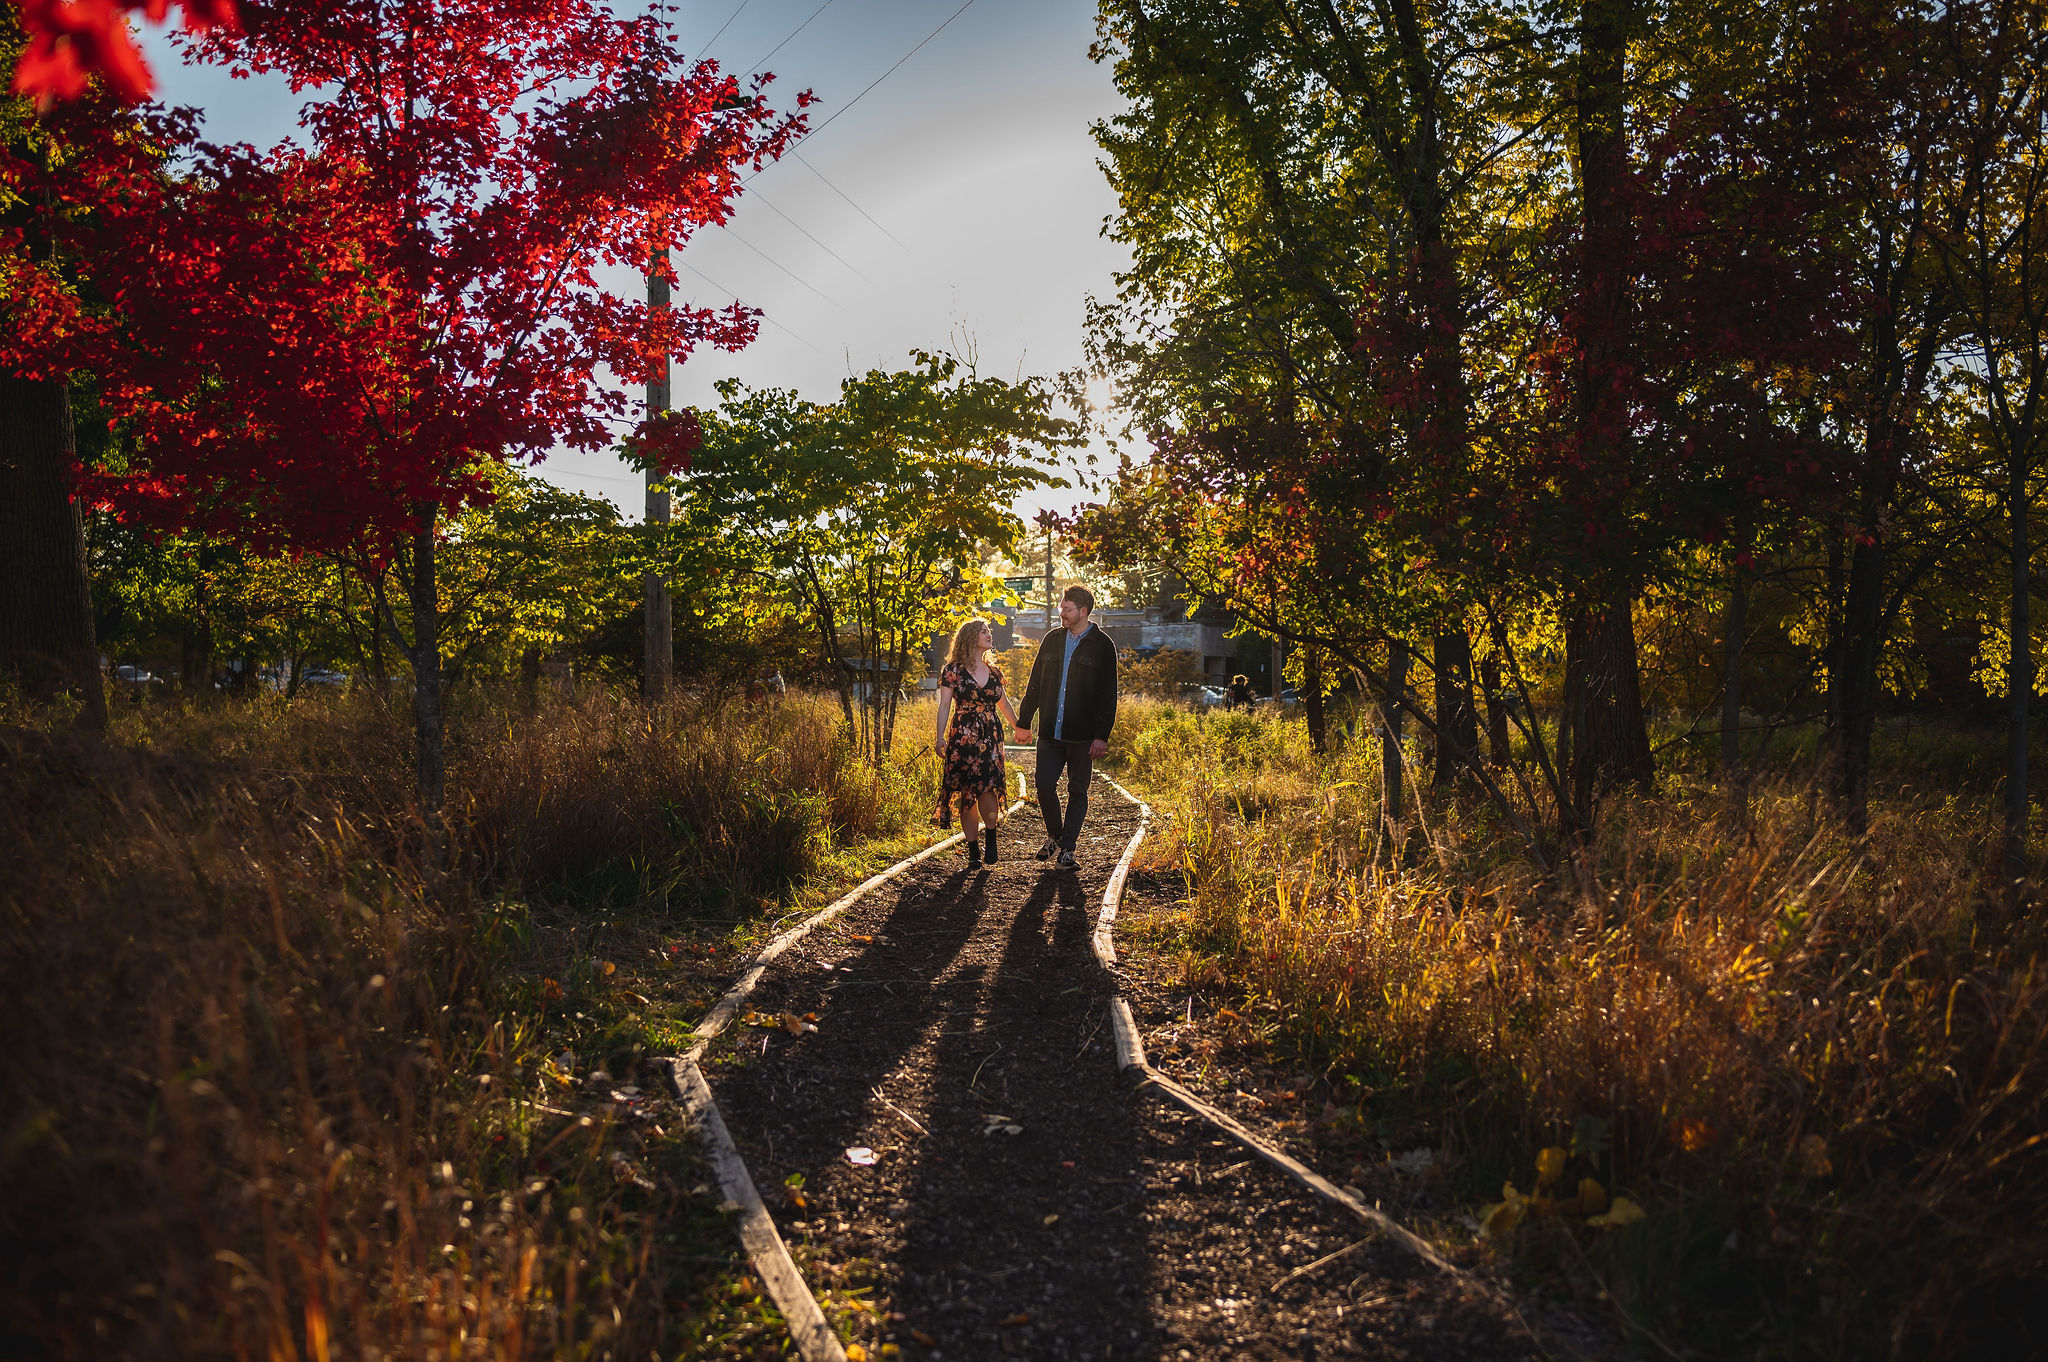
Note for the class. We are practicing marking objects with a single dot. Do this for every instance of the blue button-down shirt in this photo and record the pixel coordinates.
(1060, 716)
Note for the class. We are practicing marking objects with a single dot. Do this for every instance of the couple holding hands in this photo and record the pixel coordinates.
(1073, 696)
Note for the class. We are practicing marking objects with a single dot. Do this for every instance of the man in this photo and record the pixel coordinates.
(1073, 687)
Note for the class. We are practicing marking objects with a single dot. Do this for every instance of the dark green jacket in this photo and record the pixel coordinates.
(1091, 687)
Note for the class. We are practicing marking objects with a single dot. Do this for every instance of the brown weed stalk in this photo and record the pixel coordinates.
(1822, 1064)
(275, 1088)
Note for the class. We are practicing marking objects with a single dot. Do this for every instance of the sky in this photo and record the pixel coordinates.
(957, 203)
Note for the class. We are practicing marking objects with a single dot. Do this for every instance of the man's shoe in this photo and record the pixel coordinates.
(1067, 861)
(1046, 851)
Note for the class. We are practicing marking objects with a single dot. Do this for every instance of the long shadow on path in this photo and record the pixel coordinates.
(1023, 1201)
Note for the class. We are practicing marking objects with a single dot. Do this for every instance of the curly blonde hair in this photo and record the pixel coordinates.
(962, 650)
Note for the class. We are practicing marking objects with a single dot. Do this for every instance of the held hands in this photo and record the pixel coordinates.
(1023, 736)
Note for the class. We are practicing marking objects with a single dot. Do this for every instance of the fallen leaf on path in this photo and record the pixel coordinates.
(856, 1353)
(860, 1155)
(1013, 1321)
(920, 1336)
(1049, 1219)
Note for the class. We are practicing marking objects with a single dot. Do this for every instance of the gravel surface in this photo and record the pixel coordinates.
(1022, 1199)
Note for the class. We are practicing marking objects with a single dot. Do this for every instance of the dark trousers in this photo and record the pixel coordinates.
(1053, 756)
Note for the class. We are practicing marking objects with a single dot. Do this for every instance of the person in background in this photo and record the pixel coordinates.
(1073, 693)
(1240, 692)
(971, 753)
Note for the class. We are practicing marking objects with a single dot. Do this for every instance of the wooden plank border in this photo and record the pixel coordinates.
(815, 1341)
(1130, 1058)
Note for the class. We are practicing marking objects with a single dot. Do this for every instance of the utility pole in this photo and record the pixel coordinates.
(659, 666)
(1045, 519)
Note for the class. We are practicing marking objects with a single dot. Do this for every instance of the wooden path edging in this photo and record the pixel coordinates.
(815, 1341)
(1130, 1057)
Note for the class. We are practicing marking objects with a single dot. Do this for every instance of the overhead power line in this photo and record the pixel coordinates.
(762, 198)
(849, 199)
(872, 84)
(786, 41)
(564, 473)
(724, 26)
(780, 266)
(734, 295)
(888, 73)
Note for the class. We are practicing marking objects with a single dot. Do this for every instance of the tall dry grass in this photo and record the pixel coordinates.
(1820, 1064)
(275, 1087)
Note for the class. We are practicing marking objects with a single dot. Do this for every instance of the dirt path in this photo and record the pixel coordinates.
(1023, 1201)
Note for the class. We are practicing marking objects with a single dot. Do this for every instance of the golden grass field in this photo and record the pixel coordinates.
(1820, 1064)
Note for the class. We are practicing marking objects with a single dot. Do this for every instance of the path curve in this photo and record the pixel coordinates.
(1023, 1199)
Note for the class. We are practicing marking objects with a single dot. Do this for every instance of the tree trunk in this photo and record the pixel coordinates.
(46, 628)
(1312, 699)
(659, 663)
(828, 635)
(1832, 660)
(1733, 625)
(195, 659)
(1391, 776)
(1498, 744)
(2019, 675)
(1862, 643)
(1603, 723)
(529, 678)
(1610, 743)
(1454, 714)
(426, 672)
(380, 612)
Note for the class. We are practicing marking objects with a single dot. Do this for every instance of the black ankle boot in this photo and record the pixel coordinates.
(988, 840)
(973, 853)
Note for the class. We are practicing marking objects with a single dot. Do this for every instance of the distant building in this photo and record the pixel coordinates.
(1152, 628)
(1141, 629)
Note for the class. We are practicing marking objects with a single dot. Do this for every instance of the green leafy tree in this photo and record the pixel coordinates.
(871, 514)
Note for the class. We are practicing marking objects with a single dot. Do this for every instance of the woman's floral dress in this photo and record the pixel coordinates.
(974, 742)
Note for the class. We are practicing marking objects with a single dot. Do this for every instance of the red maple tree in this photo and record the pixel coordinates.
(70, 41)
(327, 344)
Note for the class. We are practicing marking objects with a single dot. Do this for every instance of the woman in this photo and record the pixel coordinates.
(971, 691)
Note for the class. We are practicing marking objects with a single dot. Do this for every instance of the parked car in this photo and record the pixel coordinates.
(136, 676)
(322, 676)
